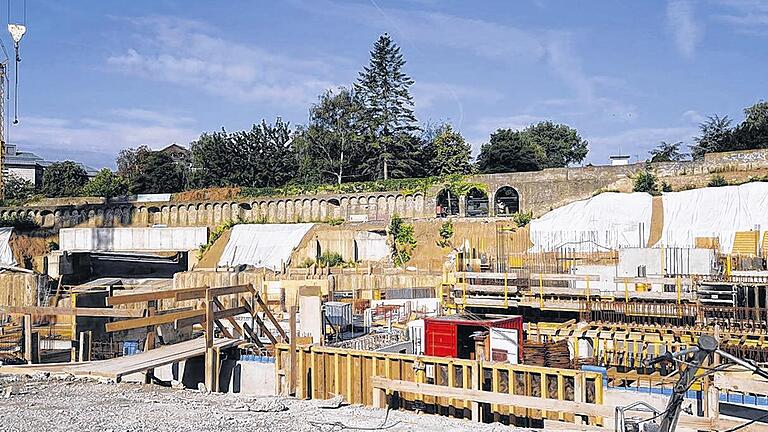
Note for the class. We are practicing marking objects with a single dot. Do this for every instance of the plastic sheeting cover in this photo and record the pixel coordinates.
(6, 254)
(714, 212)
(610, 220)
(263, 245)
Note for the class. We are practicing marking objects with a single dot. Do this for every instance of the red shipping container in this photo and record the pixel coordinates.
(449, 336)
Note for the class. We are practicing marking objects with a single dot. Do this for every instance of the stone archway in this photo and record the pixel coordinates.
(446, 203)
(506, 201)
(476, 203)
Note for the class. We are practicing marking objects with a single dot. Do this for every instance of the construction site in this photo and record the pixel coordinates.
(555, 298)
(613, 311)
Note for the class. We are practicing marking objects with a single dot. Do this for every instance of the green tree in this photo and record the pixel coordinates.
(403, 240)
(329, 146)
(259, 157)
(667, 152)
(557, 145)
(106, 184)
(716, 135)
(389, 118)
(129, 161)
(507, 151)
(159, 173)
(451, 153)
(752, 133)
(64, 179)
(17, 189)
(646, 181)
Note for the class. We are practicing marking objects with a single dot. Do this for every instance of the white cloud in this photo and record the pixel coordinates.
(746, 16)
(186, 53)
(636, 142)
(101, 139)
(692, 116)
(500, 43)
(683, 26)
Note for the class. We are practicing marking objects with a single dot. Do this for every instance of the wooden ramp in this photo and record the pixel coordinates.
(118, 367)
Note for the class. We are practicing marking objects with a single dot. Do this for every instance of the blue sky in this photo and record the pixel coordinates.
(99, 76)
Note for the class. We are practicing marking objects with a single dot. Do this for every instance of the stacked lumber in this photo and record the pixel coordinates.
(535, 353)
(551, 354)
(558, 355)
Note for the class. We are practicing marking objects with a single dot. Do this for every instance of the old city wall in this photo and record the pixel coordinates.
(538, 192)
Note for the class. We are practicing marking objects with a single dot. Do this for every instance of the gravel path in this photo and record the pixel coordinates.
(72, 405)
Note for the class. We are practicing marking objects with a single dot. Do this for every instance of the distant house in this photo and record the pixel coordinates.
(179, 153)
(618, 160)
(26, 165)
(30, 166)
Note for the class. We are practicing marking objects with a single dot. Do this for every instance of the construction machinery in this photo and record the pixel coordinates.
(690, 361)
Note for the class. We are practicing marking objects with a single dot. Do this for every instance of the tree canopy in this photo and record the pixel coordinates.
(106, 184)
(330, 145)
(557, 145)
(159, 174)
(64, 179)
(542, 145)
(508, 151)
(259, 157)
(667, 152)
(17, 189)
(389, 118)
(450, 153)
(717, 134)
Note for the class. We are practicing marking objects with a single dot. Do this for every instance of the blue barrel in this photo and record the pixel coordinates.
(130, 348)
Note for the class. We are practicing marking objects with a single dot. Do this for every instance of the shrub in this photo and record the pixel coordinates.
(403, 238)
(666, 187)
(646, 181)
(446, 232)
(330, 259)
(717, 181)
(307, 262)
(522, 218)
(215, 234)
(334, 221)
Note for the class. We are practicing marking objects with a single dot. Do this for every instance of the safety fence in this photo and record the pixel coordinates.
(323, 373)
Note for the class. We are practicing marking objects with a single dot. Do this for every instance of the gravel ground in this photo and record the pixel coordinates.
(47, 404)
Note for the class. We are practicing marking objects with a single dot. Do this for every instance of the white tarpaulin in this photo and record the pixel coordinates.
(6, 254)
(610, 220)
(714, 212)
(132, 239)
(263, 245)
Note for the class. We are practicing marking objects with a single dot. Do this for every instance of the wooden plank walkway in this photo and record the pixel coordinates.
(118, 367)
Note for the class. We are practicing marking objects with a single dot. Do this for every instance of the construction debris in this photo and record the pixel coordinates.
(88, 406)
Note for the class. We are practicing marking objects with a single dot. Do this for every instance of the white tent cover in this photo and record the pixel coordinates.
(610, 220)
(263, 245)
(714, 212)
(6, 254)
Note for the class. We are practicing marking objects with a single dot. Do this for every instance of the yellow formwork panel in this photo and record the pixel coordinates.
(745, 242)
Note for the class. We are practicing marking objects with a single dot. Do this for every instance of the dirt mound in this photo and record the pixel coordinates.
(212, 194)
(27, 247)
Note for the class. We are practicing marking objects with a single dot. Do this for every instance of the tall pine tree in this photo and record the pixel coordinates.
(384, 89)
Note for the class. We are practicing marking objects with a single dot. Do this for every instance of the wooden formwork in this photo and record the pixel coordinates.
(323, 373)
